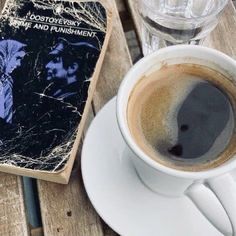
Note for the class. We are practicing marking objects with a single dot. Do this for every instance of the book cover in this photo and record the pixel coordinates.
(50, 56)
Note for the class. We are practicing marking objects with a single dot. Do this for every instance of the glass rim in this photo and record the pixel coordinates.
(212, 14)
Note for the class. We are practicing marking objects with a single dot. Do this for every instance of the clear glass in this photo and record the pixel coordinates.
(171, 22)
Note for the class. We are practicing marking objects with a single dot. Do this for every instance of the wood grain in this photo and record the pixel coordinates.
(12, 209)
(116, 64)
(223, 36)
(66, 210)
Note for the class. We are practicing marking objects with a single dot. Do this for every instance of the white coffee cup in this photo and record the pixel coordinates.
(214, 190)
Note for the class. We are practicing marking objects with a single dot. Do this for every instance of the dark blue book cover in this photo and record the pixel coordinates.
(49, 50)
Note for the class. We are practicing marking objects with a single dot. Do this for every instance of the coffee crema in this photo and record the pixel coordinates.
(183, 116)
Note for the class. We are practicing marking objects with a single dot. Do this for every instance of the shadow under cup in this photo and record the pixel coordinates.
(217, 71)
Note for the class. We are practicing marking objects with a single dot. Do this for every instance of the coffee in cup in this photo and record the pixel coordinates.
(183, 116)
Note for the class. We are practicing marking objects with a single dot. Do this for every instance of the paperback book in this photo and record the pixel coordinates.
(51, 53)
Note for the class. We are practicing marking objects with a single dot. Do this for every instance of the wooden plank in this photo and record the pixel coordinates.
(223, 37)
(225, 31)
(116, 64)
(66, 210)
(12, 210)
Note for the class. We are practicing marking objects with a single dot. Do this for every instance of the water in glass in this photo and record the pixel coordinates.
(171, 22)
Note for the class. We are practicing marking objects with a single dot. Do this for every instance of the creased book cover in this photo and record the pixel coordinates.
(50, 55)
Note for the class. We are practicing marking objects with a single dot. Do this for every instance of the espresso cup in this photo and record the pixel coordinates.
(212, 188)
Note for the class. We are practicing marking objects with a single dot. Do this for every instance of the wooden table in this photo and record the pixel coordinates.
(66, 209)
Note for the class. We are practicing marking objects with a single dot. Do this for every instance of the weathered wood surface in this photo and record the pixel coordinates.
(222, 38)
(117, 62)
(12, 209)
(66, 210)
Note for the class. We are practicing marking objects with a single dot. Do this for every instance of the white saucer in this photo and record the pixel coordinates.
(119, 196)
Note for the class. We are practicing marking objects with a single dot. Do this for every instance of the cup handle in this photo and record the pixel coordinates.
(216, 199)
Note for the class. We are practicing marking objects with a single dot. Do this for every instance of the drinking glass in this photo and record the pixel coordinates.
(172, 22)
